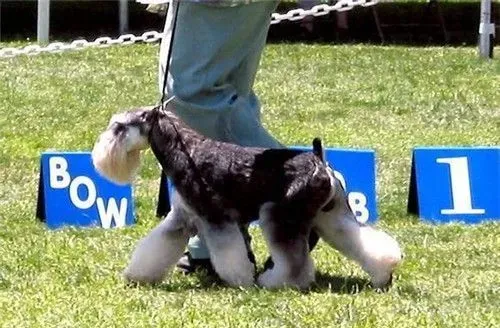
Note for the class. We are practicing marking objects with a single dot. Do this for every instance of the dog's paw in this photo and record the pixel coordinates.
(279, 277)
(237, 278)
(134, 277)
(381, 272)
(269, 279)
(382, 256)
(381, 282)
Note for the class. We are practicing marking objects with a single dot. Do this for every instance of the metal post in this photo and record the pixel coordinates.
(123, 9)
(486, 30)
(43, 23)
(0, 20)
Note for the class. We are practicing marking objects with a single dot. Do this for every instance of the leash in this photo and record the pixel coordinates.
(163, 108)
(163, 104)
(164, 208)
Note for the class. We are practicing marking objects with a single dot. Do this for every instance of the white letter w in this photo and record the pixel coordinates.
(111, 212)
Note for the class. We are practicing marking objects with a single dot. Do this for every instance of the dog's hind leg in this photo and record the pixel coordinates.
(376, 252)
(289, 250)
(156, 254)
(228, 252)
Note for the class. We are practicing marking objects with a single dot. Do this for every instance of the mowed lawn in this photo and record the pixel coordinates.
(386, 98)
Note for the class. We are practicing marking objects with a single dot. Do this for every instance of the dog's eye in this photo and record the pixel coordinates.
(119, 128)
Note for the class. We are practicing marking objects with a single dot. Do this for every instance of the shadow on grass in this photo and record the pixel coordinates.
(324, 283)
(202, 281)
(339, 284)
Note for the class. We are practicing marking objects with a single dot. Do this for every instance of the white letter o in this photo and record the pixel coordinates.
(73, 192)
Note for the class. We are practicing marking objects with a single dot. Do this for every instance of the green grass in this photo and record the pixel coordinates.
(386, 98)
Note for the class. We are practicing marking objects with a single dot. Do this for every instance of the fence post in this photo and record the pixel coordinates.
(123, 12)
(0, 20)
(43, 22)
(486, 30)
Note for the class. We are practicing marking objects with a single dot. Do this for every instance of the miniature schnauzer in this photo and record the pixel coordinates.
(221, 187)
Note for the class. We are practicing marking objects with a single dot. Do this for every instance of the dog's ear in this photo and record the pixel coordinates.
(144, 116)
(147, 114)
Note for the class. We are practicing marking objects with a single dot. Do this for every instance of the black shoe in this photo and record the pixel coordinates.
(188, 265)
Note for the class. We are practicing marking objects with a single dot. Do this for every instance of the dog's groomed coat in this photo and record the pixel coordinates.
(221, 187)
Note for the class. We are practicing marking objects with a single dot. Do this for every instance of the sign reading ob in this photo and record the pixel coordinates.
(355, 168)
(72, 193)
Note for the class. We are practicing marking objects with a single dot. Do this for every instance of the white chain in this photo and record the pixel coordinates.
(320, 10)
(148, 37)
(153, 36)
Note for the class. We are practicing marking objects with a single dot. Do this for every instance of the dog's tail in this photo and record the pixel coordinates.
(318, 149)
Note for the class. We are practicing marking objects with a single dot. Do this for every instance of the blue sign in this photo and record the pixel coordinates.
(354, 168)
(72, 193)
(455, 184)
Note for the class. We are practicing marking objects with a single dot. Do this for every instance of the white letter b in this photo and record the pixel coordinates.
(58, 173)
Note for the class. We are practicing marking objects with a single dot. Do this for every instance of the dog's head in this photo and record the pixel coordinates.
(116, 151)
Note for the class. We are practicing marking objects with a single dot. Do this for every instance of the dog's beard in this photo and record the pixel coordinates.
(112, 160)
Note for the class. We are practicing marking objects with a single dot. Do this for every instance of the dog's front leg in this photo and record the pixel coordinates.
(228, 253)
(159, 251)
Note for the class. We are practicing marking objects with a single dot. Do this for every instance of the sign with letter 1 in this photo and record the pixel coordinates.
(455, 184)
(354, 168)
(72, 193)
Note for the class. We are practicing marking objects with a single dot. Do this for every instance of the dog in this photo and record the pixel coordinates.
(221, 187)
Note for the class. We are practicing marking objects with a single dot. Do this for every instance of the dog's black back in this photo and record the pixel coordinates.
(229, 182)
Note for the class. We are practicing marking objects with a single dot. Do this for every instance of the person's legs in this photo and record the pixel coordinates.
(214, 62)
(244, 122)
